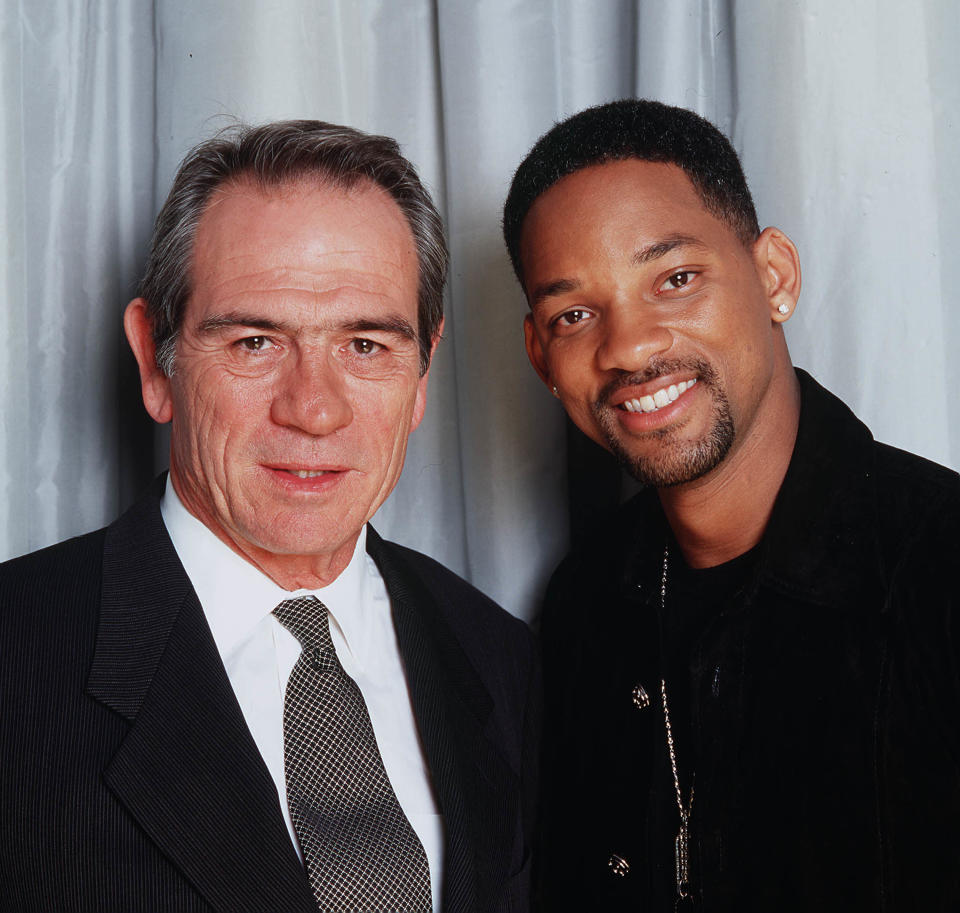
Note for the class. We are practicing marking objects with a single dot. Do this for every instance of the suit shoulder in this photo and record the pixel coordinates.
(464, 622)
(49, 604)
(40, 574)
(493, 637)
(453, 589)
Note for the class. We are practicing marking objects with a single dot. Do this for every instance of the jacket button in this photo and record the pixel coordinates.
(618, 865)
(641, 700)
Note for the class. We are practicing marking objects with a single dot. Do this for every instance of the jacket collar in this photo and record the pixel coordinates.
(188, 770)
(452, 707)
(822, 541)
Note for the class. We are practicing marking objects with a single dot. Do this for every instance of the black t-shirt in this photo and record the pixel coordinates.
(694, 598)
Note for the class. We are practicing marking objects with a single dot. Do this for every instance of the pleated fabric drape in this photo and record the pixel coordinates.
(846, 116)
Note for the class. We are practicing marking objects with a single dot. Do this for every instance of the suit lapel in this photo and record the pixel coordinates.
(473, 783)
(188, 770)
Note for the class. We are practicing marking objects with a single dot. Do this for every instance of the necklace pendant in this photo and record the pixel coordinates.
(682, 852)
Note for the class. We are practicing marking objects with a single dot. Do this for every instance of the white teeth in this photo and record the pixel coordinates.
(659, 399)
(307, 473)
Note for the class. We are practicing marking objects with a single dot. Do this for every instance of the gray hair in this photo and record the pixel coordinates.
(275, 154)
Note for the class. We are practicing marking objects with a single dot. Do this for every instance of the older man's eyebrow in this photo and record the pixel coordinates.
(397, 325)
(661, 248)
(218, 322)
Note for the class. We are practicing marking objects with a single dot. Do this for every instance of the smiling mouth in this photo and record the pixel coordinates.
(657, 400)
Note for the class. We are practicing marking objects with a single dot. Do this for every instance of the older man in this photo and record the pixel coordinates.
(752, 672)
(238, 697)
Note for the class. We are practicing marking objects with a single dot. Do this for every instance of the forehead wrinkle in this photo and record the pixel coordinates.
(311, 270)
(290, 283)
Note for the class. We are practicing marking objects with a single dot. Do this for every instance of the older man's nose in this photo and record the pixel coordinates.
(312, 397)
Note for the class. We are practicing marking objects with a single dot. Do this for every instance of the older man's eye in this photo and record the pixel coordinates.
(365, 346)
(255, 343)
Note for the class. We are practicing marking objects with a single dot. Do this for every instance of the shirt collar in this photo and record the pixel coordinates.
(236, 596)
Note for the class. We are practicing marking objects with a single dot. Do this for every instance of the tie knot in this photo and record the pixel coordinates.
(306, 619)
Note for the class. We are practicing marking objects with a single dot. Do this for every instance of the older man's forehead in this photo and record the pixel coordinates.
(322, 239)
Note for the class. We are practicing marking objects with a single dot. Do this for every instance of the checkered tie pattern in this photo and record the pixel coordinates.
(360, 851)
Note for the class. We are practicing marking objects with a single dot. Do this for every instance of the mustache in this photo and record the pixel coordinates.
(658, 368)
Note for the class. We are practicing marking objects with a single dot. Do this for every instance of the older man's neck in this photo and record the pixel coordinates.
(300, 572)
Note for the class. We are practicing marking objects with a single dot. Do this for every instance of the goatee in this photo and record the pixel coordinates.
(677, 461)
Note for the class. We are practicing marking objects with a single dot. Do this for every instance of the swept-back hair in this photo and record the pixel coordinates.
(273, 155)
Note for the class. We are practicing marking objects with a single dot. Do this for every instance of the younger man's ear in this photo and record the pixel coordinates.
(778, 265)
(154, 384)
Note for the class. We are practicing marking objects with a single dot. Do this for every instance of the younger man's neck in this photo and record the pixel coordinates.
(724, 514)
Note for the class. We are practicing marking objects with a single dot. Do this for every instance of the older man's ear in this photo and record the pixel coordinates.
(154, 384)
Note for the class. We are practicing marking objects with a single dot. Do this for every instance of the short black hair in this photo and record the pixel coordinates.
(640, 129)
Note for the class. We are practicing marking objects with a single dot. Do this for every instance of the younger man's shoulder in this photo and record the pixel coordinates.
(917, 472)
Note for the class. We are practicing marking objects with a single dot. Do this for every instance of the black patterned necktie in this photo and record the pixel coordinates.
(360, 851)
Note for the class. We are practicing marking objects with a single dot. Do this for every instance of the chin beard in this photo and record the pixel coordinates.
(677, 461)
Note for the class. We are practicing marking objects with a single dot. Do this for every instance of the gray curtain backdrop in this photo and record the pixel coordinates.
(845, 113)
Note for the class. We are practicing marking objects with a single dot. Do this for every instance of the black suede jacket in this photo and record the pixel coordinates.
(825, 700)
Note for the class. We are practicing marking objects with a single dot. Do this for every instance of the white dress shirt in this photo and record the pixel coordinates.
(259, 654)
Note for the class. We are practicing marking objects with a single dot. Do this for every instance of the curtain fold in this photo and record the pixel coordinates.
(846, 116)
(78, 160)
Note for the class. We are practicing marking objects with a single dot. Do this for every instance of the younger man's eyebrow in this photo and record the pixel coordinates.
(551, 289)
(661, 248)
(640, 257)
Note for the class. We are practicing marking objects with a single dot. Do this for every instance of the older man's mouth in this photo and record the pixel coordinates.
(658, 399)
(295, 475)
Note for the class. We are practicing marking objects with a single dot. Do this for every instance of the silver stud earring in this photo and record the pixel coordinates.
(556, 392)
(784, 309)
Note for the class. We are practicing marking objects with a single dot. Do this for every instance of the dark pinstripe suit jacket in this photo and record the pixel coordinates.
(130, 782)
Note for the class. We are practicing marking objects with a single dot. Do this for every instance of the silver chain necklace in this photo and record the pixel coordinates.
(682, 843)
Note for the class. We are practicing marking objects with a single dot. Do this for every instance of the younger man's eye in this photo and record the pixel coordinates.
(677, 280)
